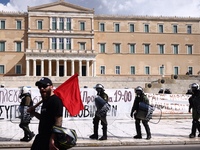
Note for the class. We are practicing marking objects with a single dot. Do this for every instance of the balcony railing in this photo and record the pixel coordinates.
(59, 51)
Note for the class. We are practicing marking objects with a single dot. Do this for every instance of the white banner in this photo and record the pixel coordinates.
(121, 101)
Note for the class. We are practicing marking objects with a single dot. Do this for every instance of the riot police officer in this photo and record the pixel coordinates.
(140, 97)
(25, 117)
(193, 104)
(100, 92)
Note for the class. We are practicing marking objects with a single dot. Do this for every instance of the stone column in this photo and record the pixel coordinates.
(94, 68)
(65, 68)
(50, 69)
(57, 43)
(65, 23)
(34, 67)
(42, 67)
(27, 68)
(87, 68)
(57, 23)
(80, 68)
(72, 67)
(57, 68)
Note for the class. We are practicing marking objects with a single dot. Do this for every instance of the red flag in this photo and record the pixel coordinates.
(70, 95)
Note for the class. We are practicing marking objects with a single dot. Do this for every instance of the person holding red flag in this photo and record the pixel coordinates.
(51, 115)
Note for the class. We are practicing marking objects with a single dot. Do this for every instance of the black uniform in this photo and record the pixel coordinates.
(103, 120)
(51, 108)
(25, 117)
(195, 115)
(135, 108)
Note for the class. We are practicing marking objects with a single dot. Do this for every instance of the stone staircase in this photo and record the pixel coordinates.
(151, 84)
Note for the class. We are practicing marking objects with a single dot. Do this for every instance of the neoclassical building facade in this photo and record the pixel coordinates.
(60, 39)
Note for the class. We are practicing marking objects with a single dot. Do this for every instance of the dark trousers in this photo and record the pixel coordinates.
(40, 143)
(25, 128)
(138, 127)
(195, 126)
(103, 123)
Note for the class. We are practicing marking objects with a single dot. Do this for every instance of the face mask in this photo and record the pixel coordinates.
(138, 93)
(98, 90)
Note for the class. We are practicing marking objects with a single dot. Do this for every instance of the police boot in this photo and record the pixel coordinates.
(138, 130)
(194, 127)
(146, 126)
(95, 135)
(25, 138)
(104, 137)
(31, 135)
(198, 127)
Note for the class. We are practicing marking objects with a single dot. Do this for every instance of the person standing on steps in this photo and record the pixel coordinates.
(100, 92)
(25, 117)
(193, 104)
(140, 97)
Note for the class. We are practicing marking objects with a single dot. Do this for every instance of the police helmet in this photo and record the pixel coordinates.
(194, 86)
(139, 88)
(24, 90)
(64, 138)
(99, 86)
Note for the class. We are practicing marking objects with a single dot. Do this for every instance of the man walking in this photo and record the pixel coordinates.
(51, 115)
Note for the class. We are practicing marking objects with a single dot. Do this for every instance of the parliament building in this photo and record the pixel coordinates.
(61, 39)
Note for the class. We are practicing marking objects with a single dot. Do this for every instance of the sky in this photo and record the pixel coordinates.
(179, 8)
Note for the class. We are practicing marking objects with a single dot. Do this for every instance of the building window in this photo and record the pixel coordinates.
(39, 24)
(189, 29)
(68, 24)
(160, 28)
(102, 70)
(132, 28)
(102, 27)
(2, 69)
(117, 27)
(2, 24)
(18, 69)
(189, 49)
(147, 70)
(175, 29)
(132, 70)
(61, 24)
(39, 45)
(117, 70)
(54, 23)
(61, 43)
(146, 48)
(68, 44)
(117, 48)
(161, 49)
(175, 49)
(19, 25)
(102, 48)
(146, 28)
(132, 48)
(190, 70)
(82, 46)
(82, 26)
(54, 43)
(18, 46)
(161, 70)
(2, 46)
(176, 71)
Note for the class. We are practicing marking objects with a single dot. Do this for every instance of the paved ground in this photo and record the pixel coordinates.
(170, 130)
